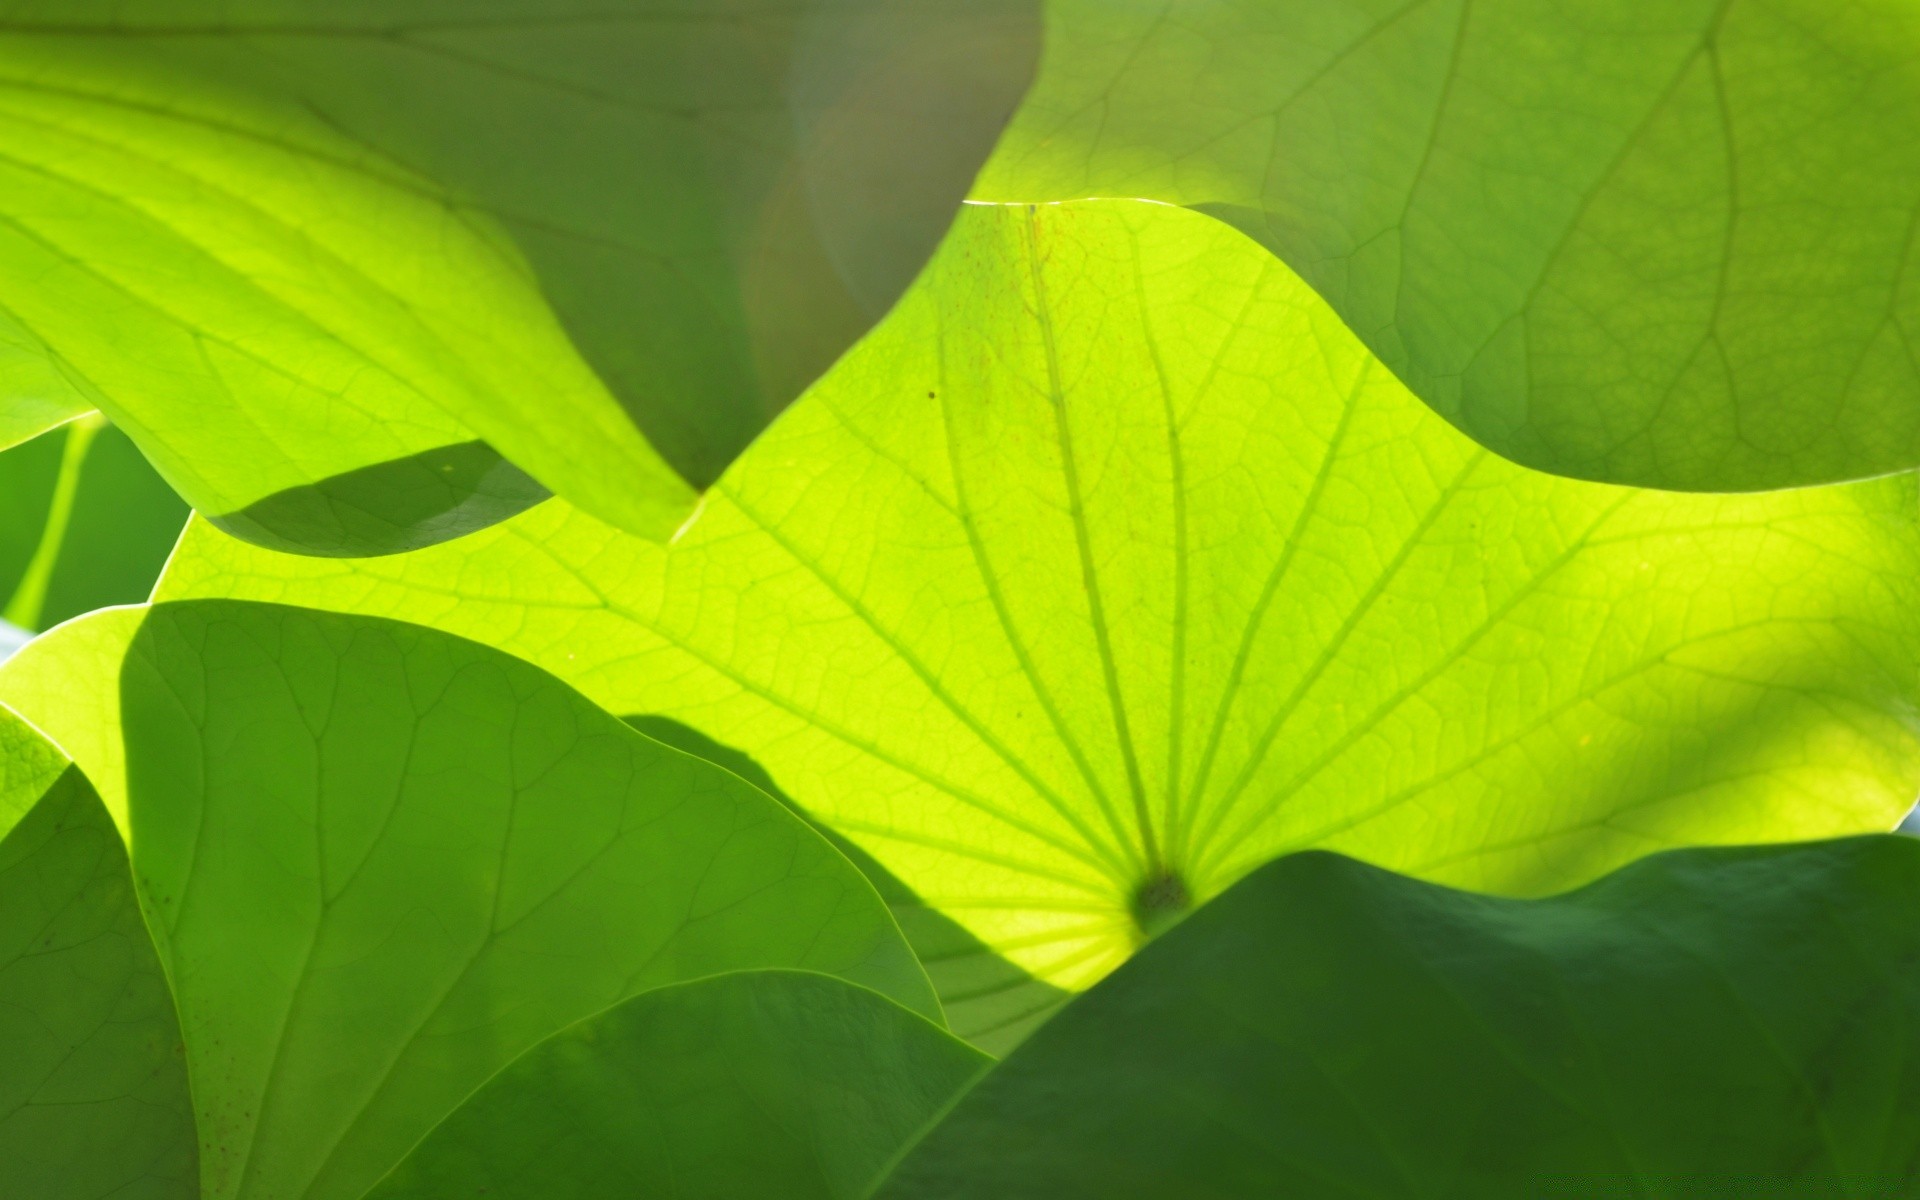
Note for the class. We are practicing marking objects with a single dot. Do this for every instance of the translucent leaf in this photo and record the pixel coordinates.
(1112, 566)
(328, 262)
(988, 1001)
(1666, 242)
(381, 862)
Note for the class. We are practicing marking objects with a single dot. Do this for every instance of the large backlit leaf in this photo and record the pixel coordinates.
(309, 253)
(87, 524)
(1704, 1025)
(1668, 242)
(1112, 566)
(93, 1086)
(775, 1085)
(382, 862)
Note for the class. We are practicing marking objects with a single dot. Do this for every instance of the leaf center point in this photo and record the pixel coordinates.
(1160, 902)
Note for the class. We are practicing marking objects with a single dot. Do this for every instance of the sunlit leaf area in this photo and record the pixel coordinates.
(959, 599)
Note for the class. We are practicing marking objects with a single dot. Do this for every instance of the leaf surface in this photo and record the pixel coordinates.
(327, 262)
(987, 1000)
(1112, 566)
(382, 862)
(1664, 242)
(34, 396)
(1720, 1023)
(780, 1085)
(93, 1086)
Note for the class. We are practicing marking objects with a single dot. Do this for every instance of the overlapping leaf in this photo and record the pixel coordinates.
(93, 1094)
(989, 1001)
(1112, 566)
(310, 254)
(779, 1085)
(381, 862)
(1667, 242)
(88, 524)
(1720, 1024)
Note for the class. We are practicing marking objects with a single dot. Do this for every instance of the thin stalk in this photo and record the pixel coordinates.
(31, 595)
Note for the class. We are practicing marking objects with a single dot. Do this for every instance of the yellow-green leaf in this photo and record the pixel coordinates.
(1112, 566)
(328, 262)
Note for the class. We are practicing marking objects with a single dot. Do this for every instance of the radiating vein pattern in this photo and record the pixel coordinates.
(1113, 565)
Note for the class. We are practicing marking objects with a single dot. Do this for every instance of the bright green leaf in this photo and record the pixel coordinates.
(1667, 242)
(775, 1085)
(88, 524)
(381, 862)
(307, 253)
(1704, 1025)
(244, 293)
(1112, 566)
(34, 395)
(93, 1087)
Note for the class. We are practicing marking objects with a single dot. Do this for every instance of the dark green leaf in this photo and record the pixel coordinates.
(93, 1085)
(769, 1085)
(1703, 1025)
